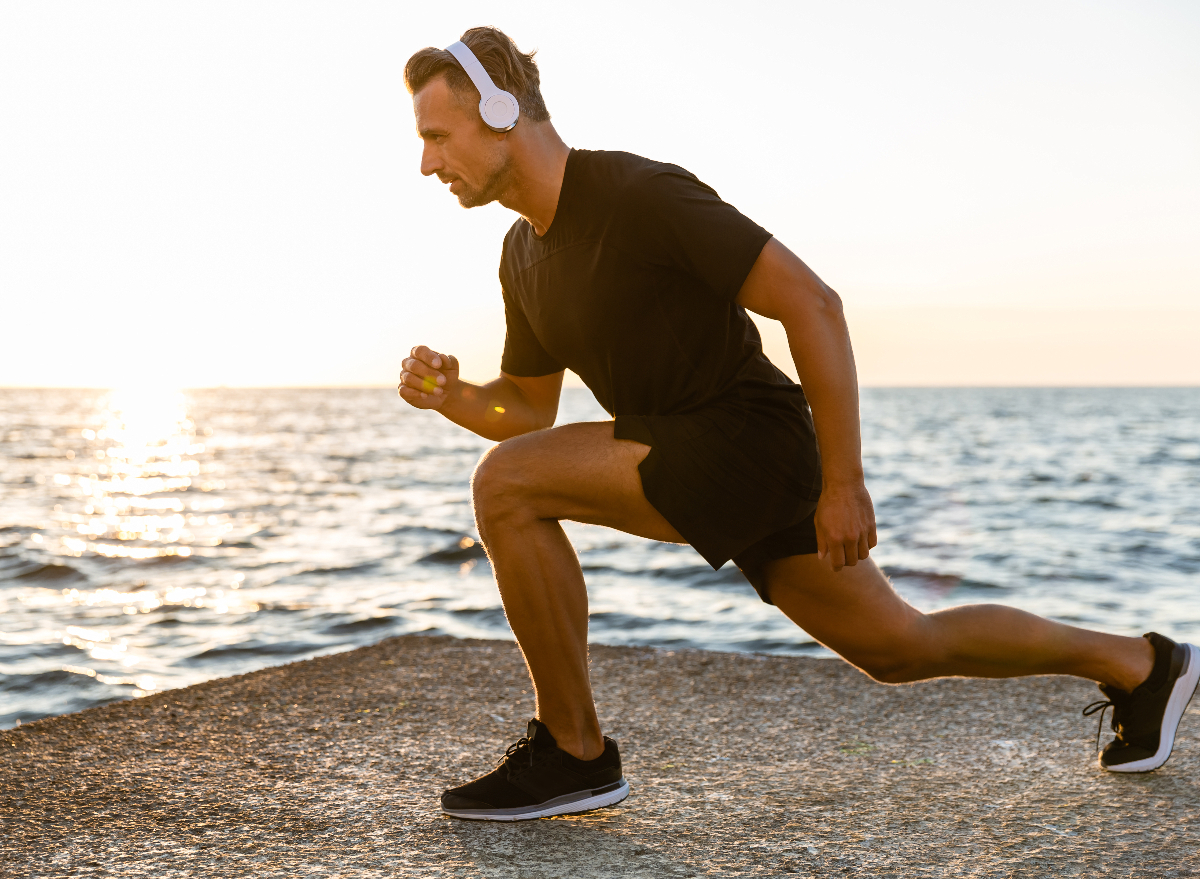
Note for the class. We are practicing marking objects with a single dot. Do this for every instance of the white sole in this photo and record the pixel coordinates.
(561, 806)
(1181, 695)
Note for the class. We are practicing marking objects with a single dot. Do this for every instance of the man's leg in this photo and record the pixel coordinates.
(856, 613)
(522, 488)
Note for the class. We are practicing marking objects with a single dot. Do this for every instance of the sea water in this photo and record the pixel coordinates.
(154, 538)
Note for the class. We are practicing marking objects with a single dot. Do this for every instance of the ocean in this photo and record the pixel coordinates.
(154, 538)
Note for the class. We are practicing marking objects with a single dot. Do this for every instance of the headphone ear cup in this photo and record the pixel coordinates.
(500, 111)
(498, 108)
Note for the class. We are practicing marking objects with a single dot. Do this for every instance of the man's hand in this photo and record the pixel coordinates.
(501, 409)
(428, 378)
(845, 523)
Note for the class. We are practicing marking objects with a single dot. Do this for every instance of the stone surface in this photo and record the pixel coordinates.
(740, 766)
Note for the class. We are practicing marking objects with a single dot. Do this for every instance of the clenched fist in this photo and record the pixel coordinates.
(428, 378)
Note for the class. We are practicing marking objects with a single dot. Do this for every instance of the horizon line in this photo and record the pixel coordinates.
(357, 387)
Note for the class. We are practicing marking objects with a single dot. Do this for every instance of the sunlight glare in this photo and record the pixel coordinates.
(142, 453)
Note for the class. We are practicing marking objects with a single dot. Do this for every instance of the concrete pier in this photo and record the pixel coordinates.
(739, 765)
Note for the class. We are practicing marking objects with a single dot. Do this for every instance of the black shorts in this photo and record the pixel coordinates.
(798, 539)
(737, 482)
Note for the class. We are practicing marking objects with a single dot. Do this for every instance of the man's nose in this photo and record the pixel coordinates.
(431, 162)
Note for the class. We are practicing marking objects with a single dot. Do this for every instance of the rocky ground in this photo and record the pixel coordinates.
(740, 766)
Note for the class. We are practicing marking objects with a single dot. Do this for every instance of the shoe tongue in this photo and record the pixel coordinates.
(1115, 695)
(1163, 648)
(540, 735)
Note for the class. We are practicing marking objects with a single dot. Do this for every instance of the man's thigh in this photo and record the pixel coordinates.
(854, 611)
(578, 472)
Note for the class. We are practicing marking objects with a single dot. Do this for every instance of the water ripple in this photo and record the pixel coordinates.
(153, 539)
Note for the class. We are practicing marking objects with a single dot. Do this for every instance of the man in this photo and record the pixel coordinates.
(635, 275)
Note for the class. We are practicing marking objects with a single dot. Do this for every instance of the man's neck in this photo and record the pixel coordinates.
(539, 163)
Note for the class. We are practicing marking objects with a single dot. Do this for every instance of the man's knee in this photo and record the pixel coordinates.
(911, 656)
(892, 668)
(498, 486)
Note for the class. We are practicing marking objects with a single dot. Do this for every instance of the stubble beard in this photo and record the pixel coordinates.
(493, 187)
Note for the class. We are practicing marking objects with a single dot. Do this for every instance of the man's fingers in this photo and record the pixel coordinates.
(424, 358)
(427, 356)
(422, 369)
(837, 556)
(851, 550)
(417, 398)
(846, 531)
(422, 383)
(425, 384)
(410, 393)
(444, 361)
(424, 376)
(850, 554)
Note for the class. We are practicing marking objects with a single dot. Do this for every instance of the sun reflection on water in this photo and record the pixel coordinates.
(134, 489)
(139, 461)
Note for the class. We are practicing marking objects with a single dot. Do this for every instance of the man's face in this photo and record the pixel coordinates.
(459, 148)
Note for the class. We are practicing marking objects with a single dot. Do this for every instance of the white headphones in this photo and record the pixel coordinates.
(498, 108)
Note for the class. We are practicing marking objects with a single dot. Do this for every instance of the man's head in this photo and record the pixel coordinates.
(459, 147)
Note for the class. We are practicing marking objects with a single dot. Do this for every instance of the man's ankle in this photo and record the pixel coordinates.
(1137, 667)
(583, 750)
(580, 744)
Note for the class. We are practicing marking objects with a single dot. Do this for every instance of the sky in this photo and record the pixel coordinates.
(227, 193)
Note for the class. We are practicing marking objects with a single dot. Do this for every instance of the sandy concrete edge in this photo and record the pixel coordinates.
(741, 765)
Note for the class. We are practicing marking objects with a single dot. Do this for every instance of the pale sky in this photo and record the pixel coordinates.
(228, 193)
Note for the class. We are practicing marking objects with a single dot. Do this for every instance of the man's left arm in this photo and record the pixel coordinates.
(781, 287)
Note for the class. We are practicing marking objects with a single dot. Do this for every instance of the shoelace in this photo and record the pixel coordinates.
(1101, 706)
(522, 744)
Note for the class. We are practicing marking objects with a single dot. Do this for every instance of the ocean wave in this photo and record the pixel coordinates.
(617, 621)
(799, 644)
(309, 531)
(463, 550)
(243, 649)
(421, 531)
(59, 678)
(361, 625)
(334, 570)
(941, 582)
(50, 572)
(698, 576)
(488, 617)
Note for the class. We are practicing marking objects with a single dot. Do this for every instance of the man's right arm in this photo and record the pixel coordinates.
(506, 407)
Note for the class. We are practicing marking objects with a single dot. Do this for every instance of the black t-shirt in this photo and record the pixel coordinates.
(632, 287)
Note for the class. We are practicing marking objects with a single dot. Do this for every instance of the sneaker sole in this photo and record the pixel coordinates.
(583, 801)
(1181, 695)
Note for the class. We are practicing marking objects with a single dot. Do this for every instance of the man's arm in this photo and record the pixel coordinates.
(783, 288)
(506, 407)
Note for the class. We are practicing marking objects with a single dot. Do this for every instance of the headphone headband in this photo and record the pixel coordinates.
(498, 108)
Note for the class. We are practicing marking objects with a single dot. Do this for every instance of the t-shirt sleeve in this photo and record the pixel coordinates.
(683, 222)
(523, 353)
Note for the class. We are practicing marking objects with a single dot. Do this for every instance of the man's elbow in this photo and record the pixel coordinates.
(829, 302)
(815, 302)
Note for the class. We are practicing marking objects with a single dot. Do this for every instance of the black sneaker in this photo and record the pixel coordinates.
(1145, 720)
(537, 779)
